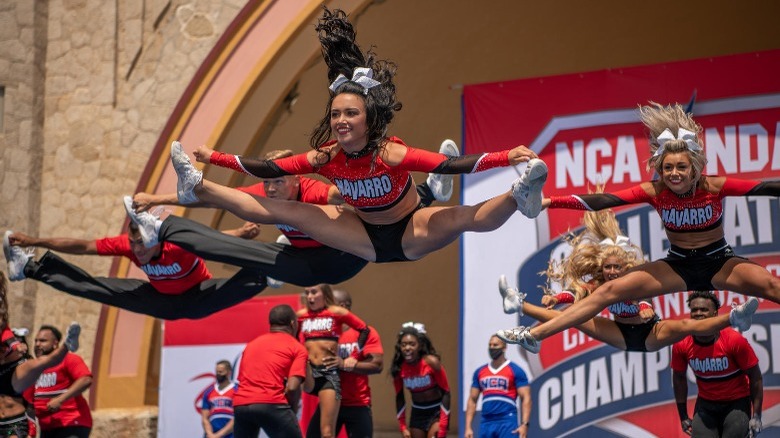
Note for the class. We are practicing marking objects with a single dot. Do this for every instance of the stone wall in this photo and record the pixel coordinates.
(89, 86)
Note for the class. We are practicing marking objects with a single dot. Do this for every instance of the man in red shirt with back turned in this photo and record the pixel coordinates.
(270, 374)
(61, 409)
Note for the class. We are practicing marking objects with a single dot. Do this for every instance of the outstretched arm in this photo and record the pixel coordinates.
(638, 194)
(261, 168)
(412, 159)
(61, 244)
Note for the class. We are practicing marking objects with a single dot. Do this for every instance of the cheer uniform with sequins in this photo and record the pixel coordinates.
(702, 211)
(420, 377)
(325, 324)
(368, 183)
(634, 335)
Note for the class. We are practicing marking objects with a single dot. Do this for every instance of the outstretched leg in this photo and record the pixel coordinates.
(748, 278)
(644, 281)
(299, 266)
(140, 296)
(435, 227)
(328, 224)
(602, 329)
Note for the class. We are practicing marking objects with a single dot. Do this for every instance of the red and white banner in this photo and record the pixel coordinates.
(586, 127)
(190, 352)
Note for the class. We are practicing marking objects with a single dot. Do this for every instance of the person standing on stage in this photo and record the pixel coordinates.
(731, 389)
(501, 384)
(270, 374)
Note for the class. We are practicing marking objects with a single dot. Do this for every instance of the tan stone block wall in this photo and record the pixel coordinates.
(104, 76)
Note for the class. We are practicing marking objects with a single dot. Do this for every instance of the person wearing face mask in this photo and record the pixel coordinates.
(501, 384)
(217, 404)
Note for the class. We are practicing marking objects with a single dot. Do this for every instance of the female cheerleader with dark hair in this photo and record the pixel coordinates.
(417, 367)
(371, 170)
(319, 325)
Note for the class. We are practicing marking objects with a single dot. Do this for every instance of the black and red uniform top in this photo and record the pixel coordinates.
(702, 211)
(366, 183)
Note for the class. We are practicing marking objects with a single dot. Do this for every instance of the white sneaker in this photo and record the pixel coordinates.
(72, 337)
(441, 185)
(741, 316)
(521, 336)
(527, 190)
(148, 224)
(189, 176)
(16, 257)
(272, 282)
(512, 298)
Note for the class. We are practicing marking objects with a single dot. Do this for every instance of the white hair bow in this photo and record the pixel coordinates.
(361, 76)
(621, 241)
(420, 327)
(682, 134)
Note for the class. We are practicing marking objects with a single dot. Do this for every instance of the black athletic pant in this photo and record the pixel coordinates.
(67, 432)
(298, 266)
(356, 419)
(139, 296)
(277, 420)
(727, 419)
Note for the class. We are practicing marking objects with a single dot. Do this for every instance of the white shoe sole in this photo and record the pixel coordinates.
(188, 176)
(531, 181)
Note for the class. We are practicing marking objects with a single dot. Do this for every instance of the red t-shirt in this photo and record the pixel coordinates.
(267, 362)
(354, 386)
(174, 272)
(719, 367)
(311, 191)
(55, 381)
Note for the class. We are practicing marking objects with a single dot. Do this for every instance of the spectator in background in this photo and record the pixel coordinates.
(354, 368)
(417, 367)
(61, 408)
(270, 374)
(217, 404)
(727, 374)
(321, 323)
(501, 383)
